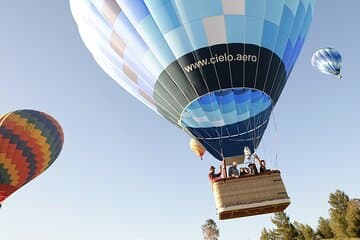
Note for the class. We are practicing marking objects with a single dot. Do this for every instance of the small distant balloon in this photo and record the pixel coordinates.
(197, 148)
(328, 61)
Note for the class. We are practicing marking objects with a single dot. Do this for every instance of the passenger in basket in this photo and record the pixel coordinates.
(263, 166)
(261, 163)
(233, 171)
(250, 160)
(244, 171)
(212, 175)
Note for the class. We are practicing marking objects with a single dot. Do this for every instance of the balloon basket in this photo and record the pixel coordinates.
(250, 195)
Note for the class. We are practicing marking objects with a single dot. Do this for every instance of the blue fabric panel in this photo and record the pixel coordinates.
(269, 35)
(196, 34)
(298, 46)
(228, 116)
(254, 30)
(224, 97)
(214, 117)
(179, 42)
(164, 14)
(307, 21)
(235, 28)
(299, 18)
(292, 5)
(197, 113)
(256, 8)
(243, 101)
(205, 100)
(227, 108)
(274, 11)
(191, 10)
(287, 56)
(135, 10)
(284, 31)
(155, 41)
(242, 94)
(207, 108)
(312, 5)
(243, 109)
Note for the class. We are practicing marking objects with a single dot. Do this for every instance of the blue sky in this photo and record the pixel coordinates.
(130, 175)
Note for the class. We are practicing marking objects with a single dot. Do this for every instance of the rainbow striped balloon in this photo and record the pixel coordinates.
(30, 141)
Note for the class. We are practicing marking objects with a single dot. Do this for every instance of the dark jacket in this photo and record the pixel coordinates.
(233, 171)
(213, 176)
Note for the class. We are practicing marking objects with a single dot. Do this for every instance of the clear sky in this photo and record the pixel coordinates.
(130, 175)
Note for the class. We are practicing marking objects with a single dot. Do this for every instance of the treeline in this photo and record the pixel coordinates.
(343, 223)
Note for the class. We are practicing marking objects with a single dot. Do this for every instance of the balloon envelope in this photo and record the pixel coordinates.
(328, 61)
(214, 68)
(30, 141)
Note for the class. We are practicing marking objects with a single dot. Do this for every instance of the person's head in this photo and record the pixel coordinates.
(212, 169)
(234, 164)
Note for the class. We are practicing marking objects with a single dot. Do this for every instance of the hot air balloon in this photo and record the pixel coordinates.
(30, 141)
(213, 68)
(328, 61)
(197, 148)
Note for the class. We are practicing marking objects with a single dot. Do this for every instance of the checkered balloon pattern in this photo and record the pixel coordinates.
(214, 68)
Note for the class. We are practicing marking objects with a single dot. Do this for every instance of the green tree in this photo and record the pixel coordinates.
(285, 230)
(304, 232)
(210, 230)
(324, 229)
(353, 219)
(339, 204)
(267, 235)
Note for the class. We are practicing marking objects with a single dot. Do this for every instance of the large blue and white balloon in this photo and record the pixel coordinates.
(328, 61)
(214, 68)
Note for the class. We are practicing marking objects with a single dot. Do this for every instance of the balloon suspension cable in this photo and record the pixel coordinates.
(221, 144)
(264, 151)
(276, 138)
(221, 131)
(224, 169)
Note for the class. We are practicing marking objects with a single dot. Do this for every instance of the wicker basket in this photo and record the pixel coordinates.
(250, 195)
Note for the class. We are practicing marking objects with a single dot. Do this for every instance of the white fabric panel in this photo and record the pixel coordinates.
(215, 30)
(234, 7)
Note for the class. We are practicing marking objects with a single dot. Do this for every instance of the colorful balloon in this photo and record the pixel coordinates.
(214, 68)
(328, 61)
(197, 148)
(30, 141)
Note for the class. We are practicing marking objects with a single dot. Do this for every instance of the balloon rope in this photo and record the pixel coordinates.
(277, 143)
(265, 152)
(221, 129)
